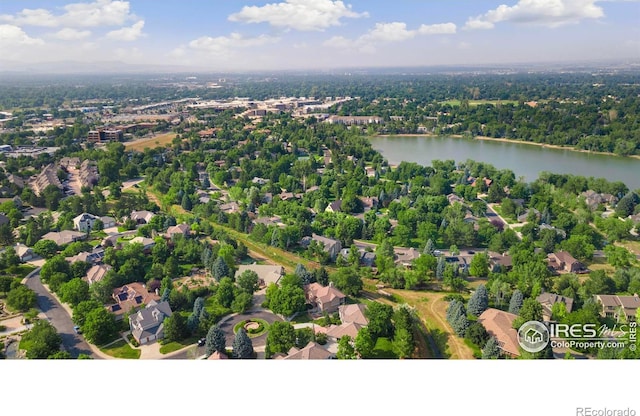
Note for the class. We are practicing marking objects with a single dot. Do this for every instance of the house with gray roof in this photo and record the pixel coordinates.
(147, 323)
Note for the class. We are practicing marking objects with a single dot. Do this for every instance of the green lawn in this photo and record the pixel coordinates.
(384, 349)
(177, 345)
(264, 327)
(121, 349)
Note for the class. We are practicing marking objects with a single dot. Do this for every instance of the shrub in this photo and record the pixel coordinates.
(321, 338)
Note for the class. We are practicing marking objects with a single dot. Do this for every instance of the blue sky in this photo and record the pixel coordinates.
(317, 34)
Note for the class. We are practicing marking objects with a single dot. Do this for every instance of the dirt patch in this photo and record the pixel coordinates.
(152, 142)
(194, 281)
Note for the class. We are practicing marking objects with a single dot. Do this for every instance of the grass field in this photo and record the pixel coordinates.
(157, 141)
(432, 309)
(175, 346)
(121, 349)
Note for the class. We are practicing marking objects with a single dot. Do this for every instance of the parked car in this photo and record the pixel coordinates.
(77, 330)
(202, 341)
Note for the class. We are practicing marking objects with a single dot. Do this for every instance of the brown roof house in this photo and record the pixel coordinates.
(180, 229)
(312, 351)
(562, 261)
(142, 217)
(547, 300)
(499, 324)
(64, 237)
(266, 273)
(147, 324)
(129, 297)
(353, 313)
(324, 298)
(614, 306)
(96, 273)
(331, 246)
(23, 252)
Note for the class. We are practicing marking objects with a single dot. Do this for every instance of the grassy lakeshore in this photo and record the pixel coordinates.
(549, 146)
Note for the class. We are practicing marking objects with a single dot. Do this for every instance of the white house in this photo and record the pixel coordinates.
(84, 222)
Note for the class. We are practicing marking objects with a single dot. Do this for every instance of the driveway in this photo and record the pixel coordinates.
(73, 343)
(227, 325)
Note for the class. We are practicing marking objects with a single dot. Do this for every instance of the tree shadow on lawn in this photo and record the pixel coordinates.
(440, 338)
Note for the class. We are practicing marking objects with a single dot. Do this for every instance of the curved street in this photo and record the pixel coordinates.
(73, 343)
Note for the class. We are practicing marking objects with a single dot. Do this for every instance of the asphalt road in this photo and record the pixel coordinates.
(227, 327)
(73, 343)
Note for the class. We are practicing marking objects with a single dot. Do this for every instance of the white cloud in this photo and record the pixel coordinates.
(12, 36)
(127, 34)
(98, 13)
(224, 44)
(550, 13)
(388, 33)
(438, 29)
(72, 34)
(303, 15)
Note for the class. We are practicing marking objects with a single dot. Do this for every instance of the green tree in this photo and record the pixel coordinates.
(74, 291)
(491, 349)
(41, 341)
(248, 281)
(280, 339)
(81, 310)
(225, 292)
(531, 310)
(100, 326)
(175, 327)
(286, 300)
(379, 315)
(516, 302)
(45, 248)
(364, 343)
(347, 280)
(242, 302)
(479, 266)
(21, 298)
(479, 301)
(220, 269)
(242, 345)
(345, 349)
(215, 340)
(403, 343)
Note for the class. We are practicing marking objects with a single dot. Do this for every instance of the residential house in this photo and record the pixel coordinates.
(147, 243)
(312, 351)
(129, 297)
(108, 222)
(453, 199)
(368, 203)
(64, 237)
(266, 273)
(331, 246)
(406, 256)
(368, 258)
(4, 220)
(562, 261)
(619, 307)
(147, 324)
(23, 252)
(547, 300)
(96, 273)
(500, 262)
(594, 199)
(335, 206)
(85, 222)
(499, 324)
(324, 298)
(94, 256)
(346, 328)
(88, 174)
(47, 176)
(142, 217)
(525, 215)
(354, 313)
(217, 355)
(180, 229)
(230, 207)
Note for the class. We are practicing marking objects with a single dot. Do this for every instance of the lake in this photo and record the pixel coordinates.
(523, 159)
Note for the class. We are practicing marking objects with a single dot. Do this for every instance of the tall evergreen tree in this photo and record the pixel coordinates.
(491, 349)
(242, 345)
(215, 340)
(440, 267)
(429, 247)
(516, 302)
(219, 269)
(479, 301)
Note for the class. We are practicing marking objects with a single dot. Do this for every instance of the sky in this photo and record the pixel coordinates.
(223, 35)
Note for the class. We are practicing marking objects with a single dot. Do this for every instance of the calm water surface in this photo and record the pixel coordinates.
(524, 160)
